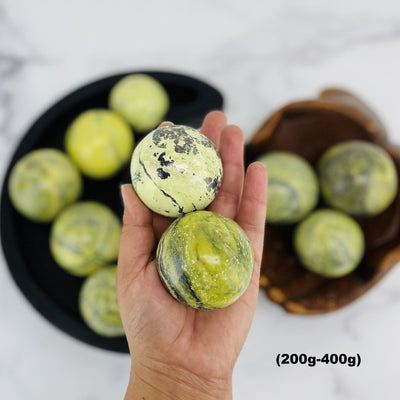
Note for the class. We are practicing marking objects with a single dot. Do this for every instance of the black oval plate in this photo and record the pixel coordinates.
(48, 288)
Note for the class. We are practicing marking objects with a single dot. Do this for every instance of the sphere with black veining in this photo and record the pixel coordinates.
(292, 187)
(358, 178)
(42, 183)
(98, 303)
(205, 260)
(176, 169)
(141, 100)
(329, 243)
(84, 237)
(100, 142)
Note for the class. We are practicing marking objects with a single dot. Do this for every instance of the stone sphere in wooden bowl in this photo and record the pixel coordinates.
(308, 128)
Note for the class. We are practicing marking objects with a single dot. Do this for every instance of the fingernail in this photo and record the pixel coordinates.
(123, 187)
(166, 123)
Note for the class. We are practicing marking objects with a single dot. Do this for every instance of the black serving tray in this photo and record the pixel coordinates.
(50, 290)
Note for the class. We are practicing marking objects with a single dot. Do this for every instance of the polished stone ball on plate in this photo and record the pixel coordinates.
(98, 303)
(85, 237)
(42, 183)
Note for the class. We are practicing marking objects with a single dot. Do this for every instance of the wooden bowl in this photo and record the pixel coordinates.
(308, 128)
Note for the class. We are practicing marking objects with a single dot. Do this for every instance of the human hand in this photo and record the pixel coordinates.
(177, 351)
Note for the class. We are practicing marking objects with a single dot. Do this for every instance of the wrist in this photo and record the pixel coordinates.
(157, 380)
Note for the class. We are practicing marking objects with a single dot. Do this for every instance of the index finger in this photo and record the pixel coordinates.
(212, 126)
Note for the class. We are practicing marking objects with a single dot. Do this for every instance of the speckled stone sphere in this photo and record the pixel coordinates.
(176, 169)
(84, 237)
(98, 303)
(292, 187)
(358, 178)
(205, 260)
(42, 183)
(141, 100)
(100, 142)
(329, 243)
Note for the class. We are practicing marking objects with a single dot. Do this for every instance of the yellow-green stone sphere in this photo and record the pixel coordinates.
(358, 178)
(292, 187)
(100, 142)
(176, 169)
(98, 303)
(141, 100)
(205, 260)
(42, 183)
(84, 237)
(329, 243)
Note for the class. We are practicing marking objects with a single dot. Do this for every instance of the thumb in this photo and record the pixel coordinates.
(137, 237)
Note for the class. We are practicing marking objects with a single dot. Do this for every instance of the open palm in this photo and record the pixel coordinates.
(160, 331)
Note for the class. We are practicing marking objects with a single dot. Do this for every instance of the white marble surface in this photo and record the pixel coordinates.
(260, 55)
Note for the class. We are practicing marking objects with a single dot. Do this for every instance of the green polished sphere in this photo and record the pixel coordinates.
(98, 303)
(329, 243)
(358, 178)
(141, 100)
(100, 142)
(292, 187)
(84, 237)
(42, 183)
(176, 169)
(205, 260)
